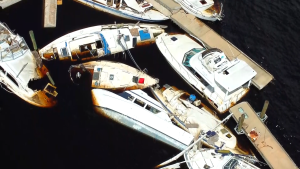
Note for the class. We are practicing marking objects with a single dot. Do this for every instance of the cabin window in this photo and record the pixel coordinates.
(188, 55)
(224, 131)
(99, 44)
(139, 102)
(231, 164)
(153, 110)
(203, 2)
(111, 77)
(96, 76)
(12, 79)
(1, 69)
(130, 98)
(64, 52)
(228, 135)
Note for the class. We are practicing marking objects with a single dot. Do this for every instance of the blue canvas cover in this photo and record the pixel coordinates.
(105, 45)
(144, 35)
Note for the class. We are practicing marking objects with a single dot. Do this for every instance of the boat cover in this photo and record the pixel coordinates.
(144, 35)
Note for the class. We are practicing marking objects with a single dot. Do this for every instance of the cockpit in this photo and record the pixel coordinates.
(11, 47)
(214, 59)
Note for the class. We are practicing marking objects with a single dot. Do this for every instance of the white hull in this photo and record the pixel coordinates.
(18, 66)
(174, 56)
(200, 117)
(202, 13)
(138, 118)
(149, 16)
(198, 158)
(97, 41)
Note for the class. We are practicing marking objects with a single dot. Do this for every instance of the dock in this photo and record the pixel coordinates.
(7, 3)
(211, 39)
(50, 12)
(265, 143)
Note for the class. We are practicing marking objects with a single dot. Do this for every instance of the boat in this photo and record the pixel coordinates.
(222, 81)
(98, 41)
(110, 75)
(138, 111)
(19, 66)
(197, 118)
(198, 158)
(203, 9)
(130, 9)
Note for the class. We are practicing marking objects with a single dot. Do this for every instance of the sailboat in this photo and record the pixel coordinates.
(223, 81)
(19, 66)
(110, 75)
(203, 9)
(197, 118)
(130, 9)
(98, 41)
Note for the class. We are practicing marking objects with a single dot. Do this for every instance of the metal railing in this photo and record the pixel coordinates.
(14, 51)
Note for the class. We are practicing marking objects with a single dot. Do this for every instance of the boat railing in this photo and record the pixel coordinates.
(193, 8)
(14, 51)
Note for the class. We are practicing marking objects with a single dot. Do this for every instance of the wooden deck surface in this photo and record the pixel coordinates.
(266, 144)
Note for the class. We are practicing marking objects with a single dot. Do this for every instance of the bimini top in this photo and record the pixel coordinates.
(217, 68)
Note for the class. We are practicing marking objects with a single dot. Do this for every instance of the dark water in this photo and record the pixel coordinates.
(71, 135)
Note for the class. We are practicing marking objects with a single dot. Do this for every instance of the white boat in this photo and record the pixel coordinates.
(136, 110)
(218, 159)
(203, 9)
(110, 75)
(223, 82)
(130, 9)
(97, 41)
(18, 66)
(197, 118)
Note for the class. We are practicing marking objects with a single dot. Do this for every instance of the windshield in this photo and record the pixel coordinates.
(188, 55)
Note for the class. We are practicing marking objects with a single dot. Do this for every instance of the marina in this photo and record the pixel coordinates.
(105, 115)
(211, 39)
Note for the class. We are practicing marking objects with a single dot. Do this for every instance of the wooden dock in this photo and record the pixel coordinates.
(7, 3)
(211, 39)
(50, 12)
(265, 143)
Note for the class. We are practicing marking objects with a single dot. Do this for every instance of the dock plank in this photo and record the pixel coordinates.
(266, 144)
(50, 12)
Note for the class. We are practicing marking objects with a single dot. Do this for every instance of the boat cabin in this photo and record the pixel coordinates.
(140, 98)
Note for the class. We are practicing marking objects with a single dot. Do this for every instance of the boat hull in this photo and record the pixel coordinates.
(119, 13)
(139, 127)
(110, 75)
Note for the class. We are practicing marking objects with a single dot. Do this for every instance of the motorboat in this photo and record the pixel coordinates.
(203, 9)
(98, 41)
(221, 80)
(138, 111)
(196, 118)
(198, 158)
(19, 66)
(110, 75)
(130, 9)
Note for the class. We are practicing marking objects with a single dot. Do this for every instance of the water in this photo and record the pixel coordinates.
(71, 135)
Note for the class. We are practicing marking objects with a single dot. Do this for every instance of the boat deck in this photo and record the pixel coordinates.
(194, 26)
(50, 12)
(266, 144)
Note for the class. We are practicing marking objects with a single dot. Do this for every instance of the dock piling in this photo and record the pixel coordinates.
(50, 78)
(238, 128)
(262, 115)
(33, 40)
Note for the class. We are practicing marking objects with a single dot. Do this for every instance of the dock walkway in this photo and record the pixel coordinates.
(266, 144)
(50, 12)
(211, 39)
(7, 3)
